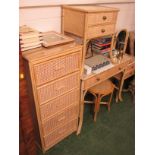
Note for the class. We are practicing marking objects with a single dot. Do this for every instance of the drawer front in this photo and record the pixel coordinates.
(60, 119)
(57, 88)
(130, 67)
(97, 31)
(56, 68)
(59, 134)
(58, 104)
(129, 74)
(103, 76)
(102, 18)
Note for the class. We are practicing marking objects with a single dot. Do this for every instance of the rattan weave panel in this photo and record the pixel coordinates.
(60, 133)
(57, 88)
(58, 104)
(60, 119)
(56, 68)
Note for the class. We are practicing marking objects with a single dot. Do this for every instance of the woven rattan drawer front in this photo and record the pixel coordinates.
(57, 88)
(60, 133)
(60, 119)
(58, 104)
(56, 68)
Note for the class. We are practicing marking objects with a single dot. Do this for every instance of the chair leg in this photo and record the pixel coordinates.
(110, 101)
(97, 107)
(95, 110)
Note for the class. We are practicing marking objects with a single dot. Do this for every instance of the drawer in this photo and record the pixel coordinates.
(56, 68)
(59, 134)
(54, 89)
(103, 76)
(129, 74)
(98, 31)
(102, 18)
(58, 104)
(130, 67)
(60, 119)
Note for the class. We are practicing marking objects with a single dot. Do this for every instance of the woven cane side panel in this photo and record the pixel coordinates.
(54, 89)
(60, 134)
(56, 68)
(58, 104)
(60, 119)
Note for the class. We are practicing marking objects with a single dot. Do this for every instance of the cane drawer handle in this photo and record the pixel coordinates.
(104, 17)
(98, 79)
(102, 30)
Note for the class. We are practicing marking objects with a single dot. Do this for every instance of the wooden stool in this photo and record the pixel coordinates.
(99, 91)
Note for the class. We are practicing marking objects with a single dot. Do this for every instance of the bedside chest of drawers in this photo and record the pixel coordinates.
(88, 22)
(53, 76)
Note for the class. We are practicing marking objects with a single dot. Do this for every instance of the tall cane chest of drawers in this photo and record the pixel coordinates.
(53, 77)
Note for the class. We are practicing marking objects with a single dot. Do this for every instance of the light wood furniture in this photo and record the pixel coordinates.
(88, 81)
(53, 76)
(99, 91)
(130, 68)
(88, 22)
(85, 23)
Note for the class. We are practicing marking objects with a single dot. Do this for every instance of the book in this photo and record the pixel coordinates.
(101, 51)
(30, 40)
(31, 44)
(101, 48)
(31, 47)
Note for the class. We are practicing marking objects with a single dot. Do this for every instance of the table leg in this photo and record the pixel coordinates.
(81, 111)
(121, 82)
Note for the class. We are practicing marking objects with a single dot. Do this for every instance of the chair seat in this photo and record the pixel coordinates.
(99, 91)
(103, 88)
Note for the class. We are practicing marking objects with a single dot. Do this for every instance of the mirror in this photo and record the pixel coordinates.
(121, 40)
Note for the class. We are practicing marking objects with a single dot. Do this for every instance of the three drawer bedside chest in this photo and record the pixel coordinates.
(88, 22)
(53, 76)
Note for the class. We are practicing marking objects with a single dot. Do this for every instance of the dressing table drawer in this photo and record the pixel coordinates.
(129, 74)
(88, 83)
(102, 18)
(130, 67)
(97, 31)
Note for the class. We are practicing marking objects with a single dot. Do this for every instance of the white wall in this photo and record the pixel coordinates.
(49, 18)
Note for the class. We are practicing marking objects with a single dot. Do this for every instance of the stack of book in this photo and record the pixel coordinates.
(102, 45)
(29, 38)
